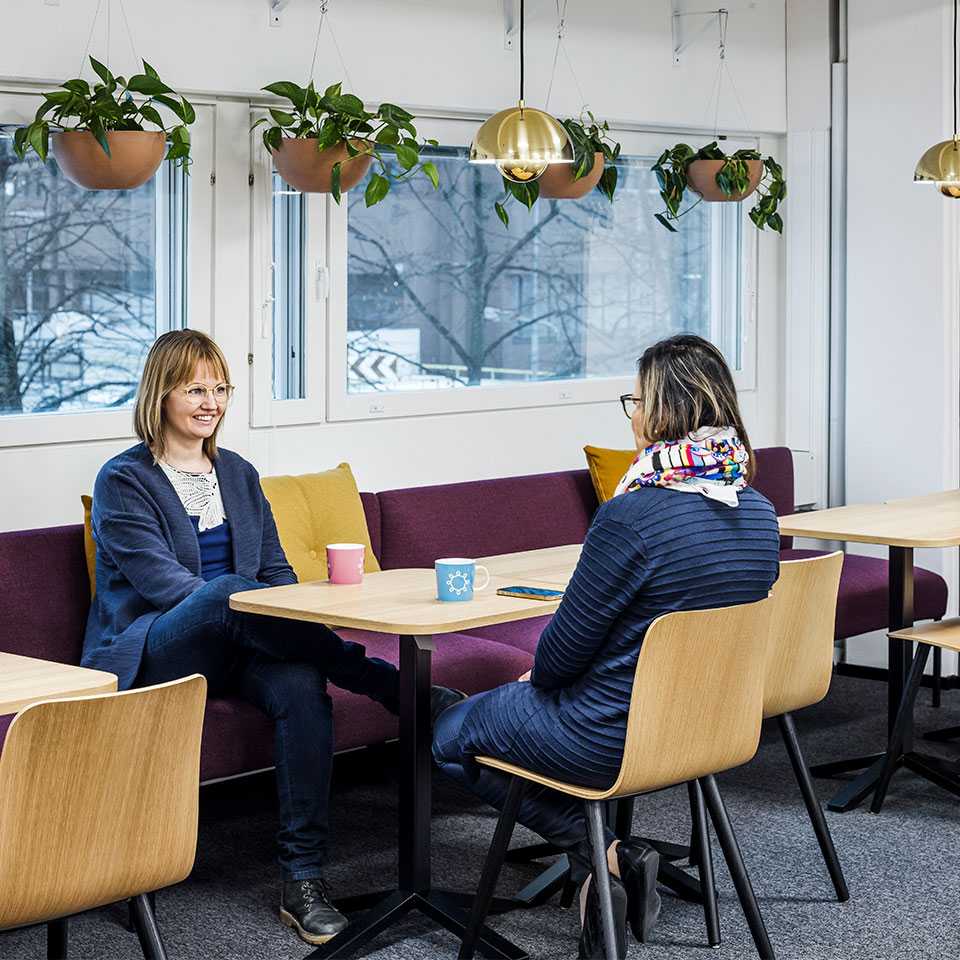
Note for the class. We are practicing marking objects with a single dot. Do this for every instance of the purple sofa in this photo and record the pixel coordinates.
(45, 594)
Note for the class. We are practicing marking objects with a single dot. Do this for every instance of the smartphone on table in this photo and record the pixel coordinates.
(530, 593)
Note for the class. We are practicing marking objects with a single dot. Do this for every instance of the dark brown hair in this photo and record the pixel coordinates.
(685, 384)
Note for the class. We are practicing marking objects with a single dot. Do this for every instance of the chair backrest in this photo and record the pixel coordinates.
(800, 652)
(697, 696)
(98, 799)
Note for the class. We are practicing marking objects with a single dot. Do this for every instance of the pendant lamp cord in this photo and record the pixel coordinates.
(521, 48)
(956, 133)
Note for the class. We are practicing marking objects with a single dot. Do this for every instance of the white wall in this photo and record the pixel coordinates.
(902, 345)
(622, 52)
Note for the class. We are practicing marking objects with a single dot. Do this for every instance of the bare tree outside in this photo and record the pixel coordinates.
(441, 295)
(78, 308)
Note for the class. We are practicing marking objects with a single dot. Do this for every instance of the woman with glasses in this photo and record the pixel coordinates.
(684, 531)
(180, 525)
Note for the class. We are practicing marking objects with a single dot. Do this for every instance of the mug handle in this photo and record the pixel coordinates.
(486, 572)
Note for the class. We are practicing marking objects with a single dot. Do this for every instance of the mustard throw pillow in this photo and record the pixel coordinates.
(607, 468)
(314, 509)
(89, 547)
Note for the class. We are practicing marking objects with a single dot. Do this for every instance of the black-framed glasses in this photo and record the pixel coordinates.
(629, 403)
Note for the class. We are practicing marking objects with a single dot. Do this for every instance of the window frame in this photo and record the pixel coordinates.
(343, 406)
(265, 411)
(18, 106)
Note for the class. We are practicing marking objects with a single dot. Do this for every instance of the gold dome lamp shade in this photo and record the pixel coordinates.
(522, 141)
(941, 163)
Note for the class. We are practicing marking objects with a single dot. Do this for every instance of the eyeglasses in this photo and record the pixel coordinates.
(629, 404)
(196, 393)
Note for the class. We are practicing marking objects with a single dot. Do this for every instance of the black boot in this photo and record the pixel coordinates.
(639, 864)
(591, 934)
(440, 699)
(305, 905)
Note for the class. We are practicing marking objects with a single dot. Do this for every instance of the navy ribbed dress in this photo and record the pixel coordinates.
(648, 552)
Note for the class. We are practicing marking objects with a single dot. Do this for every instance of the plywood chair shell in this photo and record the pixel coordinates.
(800, 652)
(696, 702)
(99, 799)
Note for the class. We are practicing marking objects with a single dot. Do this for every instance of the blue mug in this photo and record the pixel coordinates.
(456, 576)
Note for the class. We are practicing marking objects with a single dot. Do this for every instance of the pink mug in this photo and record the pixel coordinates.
(345, 562)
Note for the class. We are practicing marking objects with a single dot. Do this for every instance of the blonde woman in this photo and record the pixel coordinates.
(684, 532)
(180, 524)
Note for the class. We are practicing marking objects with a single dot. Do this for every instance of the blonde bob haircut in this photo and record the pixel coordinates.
(684, 384)
(172, 362)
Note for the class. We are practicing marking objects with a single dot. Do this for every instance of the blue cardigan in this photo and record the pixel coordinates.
(148, 557)
(647, 553)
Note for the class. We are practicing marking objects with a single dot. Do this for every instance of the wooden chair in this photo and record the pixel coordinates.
(799, 670)
(98, 803)
(695, 710)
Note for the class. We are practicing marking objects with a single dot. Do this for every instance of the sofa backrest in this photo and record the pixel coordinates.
(44, 593)
(484, 517)
(371, 510)
(774, 480)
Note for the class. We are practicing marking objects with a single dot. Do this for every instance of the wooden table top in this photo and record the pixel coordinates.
(25, 680)
(551, 566)
(928, 521)
(391, 601)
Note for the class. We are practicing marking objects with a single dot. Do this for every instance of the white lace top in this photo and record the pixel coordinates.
(200, 495)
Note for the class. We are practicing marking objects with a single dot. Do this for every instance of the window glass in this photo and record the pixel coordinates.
(441, 295)
(289, 249)
(88, 279)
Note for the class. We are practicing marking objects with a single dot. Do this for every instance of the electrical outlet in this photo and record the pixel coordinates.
(51, 3)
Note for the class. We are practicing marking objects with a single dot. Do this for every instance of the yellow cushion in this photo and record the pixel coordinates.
(89, 547)
(314, 509)
(607, 468)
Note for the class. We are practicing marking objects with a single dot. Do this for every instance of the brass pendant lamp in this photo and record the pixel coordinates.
(941, 163)
(521, 140)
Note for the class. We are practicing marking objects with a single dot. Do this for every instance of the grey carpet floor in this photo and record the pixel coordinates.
(903, 867)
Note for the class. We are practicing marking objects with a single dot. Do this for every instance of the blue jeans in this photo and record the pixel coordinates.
(281, 666)
(557, 817)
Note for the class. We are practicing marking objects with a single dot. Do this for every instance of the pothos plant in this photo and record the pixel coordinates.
(733, 179)
(335, 117)
(588, 137)
(108, 106)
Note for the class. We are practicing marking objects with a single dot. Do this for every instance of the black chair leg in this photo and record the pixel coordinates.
(624, 818)
(601, 876)
(57, 942)
(568, 892)
(738, 872)
(802, 772)
(700, 840)
(147, 930)
(491, 867)
(903, 716)
(937, 677)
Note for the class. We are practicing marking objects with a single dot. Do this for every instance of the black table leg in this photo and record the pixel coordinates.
(414, 891)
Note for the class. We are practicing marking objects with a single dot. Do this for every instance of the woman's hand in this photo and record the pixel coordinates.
(525, 678)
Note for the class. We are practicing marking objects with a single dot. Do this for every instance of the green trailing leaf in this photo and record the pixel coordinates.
(335, 182)
(101, 71)
(147, 85)
(281, 118)
(608, 182)
(149, 71)
(377, 189)
(349, 104)
(407, 156)
(289, 91)
(660, 218)
(151, 114)
(502, 213)
(430, 169)
(39, 138)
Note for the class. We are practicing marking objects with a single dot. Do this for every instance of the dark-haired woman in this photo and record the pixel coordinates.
(684, 531)
(180, 525)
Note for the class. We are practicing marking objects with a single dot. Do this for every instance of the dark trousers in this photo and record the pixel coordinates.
(281, 666)
(557, 817)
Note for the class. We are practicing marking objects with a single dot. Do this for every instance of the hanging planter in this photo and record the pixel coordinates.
(98, 134)
(716, 177)
(325, 143)
(594, 153)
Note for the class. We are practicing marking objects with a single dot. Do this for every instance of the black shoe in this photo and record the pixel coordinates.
(639, 864)
(305, 905)
(591, 936)
(440, 699)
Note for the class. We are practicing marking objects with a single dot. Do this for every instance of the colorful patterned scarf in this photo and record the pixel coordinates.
(711, 461)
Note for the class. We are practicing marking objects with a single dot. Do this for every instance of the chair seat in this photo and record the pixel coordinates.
(571, 789)
(862, 603)
(945, 634)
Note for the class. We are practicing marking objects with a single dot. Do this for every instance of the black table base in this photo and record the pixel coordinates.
(414, 890)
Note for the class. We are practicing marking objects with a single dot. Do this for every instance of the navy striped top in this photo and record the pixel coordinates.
(648, 552)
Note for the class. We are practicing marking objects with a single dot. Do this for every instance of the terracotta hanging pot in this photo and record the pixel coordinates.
(702, 177)
(135, 156)
(310, 170)
(557, 183)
